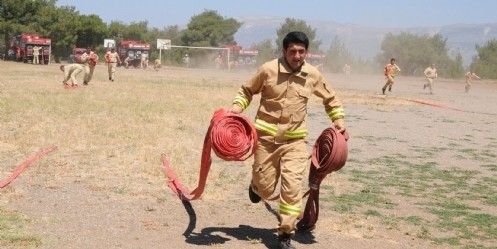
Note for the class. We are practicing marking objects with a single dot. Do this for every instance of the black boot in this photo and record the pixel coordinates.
(254, 198)
(284, 241)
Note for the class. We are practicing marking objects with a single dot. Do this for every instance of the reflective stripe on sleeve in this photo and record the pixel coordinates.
(243, 102)
(336, 113)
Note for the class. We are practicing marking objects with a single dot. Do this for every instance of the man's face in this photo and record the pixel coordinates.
(295, 55)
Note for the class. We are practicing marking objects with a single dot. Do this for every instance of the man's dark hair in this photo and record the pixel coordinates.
(296, 37)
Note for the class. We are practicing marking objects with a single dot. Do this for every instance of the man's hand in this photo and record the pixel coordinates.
(236, 109)
(339, 124)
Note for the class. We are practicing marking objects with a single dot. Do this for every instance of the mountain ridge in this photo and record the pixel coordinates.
(365, 41)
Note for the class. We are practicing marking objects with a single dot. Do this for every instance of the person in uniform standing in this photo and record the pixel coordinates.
(346, 70)
(144, 61)
(70, 72)
(390, 70)
(112, 58)
(218, 62)
(186, 60)
(36, 54)
(430, 74)
(89, 60)
(470, 75)
(157, 64)
(126, 62)
(285, 86)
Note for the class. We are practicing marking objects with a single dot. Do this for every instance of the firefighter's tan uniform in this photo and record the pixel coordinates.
(36, 55)
(126, 62)
(281, 125)
(430, 73)
(88, 67)
(70, 72)
(157, 64)
(390, 71)
(469, 80)
(144, 61)
(112, 58)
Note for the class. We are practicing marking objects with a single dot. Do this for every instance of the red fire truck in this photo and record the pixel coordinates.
(22, 45)
(240, 58)
(315, 59)
(134, 51)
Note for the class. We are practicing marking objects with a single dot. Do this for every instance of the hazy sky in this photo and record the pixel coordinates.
(384, 13)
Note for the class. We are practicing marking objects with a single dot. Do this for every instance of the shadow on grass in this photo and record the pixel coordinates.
(220, 235)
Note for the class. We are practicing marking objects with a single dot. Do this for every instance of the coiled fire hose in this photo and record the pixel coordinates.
(23, 166)
(329, 154)
(231, 136)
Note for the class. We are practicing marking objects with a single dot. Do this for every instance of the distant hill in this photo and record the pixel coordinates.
(364, 41)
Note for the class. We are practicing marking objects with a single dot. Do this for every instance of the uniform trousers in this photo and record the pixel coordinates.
(286, 161)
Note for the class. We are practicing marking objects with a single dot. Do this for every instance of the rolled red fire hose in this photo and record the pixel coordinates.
(231, 136)
(329, 154)
(23, 166)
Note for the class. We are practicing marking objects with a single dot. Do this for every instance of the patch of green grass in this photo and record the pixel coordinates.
(11, 231)
(492, 167)
(446, 188)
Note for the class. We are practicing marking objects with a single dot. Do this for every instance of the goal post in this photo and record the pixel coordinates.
(208, 48)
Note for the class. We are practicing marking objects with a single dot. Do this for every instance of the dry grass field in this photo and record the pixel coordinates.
(418, 175)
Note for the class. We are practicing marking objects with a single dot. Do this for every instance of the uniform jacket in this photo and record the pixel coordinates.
(112, 57)
(430, 73)
(391, 69)
(284, 97)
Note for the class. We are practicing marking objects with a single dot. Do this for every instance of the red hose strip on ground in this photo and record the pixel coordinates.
(329, 154)
(25, 165)
(231, 136)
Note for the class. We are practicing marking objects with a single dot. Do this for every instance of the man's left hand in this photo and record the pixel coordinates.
(339, 125)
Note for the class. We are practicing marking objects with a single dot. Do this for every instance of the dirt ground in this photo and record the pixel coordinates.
(67, 213)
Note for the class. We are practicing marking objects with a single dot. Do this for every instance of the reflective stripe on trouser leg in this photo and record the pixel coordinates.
(288, 161)
(293, 164)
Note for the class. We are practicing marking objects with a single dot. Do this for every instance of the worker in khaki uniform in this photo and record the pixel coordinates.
(285, 85)
(70, 72)
(144, 61)
(89, 60)
(36, 54)
(469, 79)
(390, 71)
(430, 74)
(157, 64)
(112, 58)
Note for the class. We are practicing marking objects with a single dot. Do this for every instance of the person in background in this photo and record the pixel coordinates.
(89, 59)
(144, 61)
(430, 74)
(470, 75)
(346, 70)
(157, 64)
(36, 54)
(126, 62)
(186, 60)
(285, 86)
(390, 70)
(70, 72)
(218, 62)
(112, 58)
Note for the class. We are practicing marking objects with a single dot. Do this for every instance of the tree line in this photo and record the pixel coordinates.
(69, 29)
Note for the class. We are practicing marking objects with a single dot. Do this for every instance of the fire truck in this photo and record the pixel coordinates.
(132, 50)
(22, 46)
(240, 58)
(76, 54)
(316, 60)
